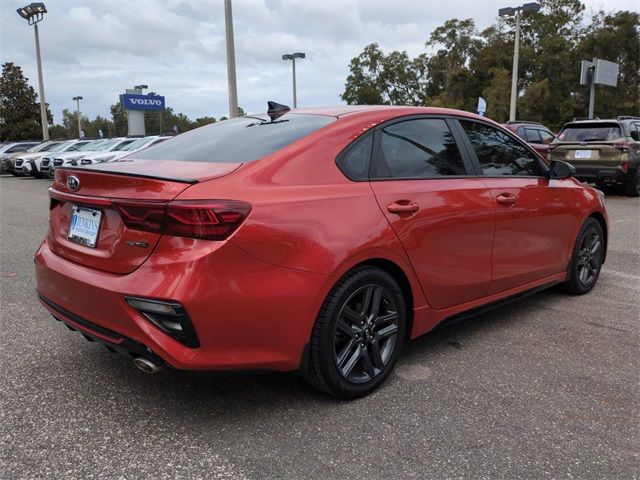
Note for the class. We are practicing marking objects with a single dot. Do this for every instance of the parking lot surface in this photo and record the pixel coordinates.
(548, 387)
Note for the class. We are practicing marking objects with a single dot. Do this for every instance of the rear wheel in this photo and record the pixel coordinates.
(586, 262)
(632, 188)
(358, 333)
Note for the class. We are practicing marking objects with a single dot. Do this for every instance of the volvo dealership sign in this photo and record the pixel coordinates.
(134, 101)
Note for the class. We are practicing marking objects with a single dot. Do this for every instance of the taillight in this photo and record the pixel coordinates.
(148, 216)
(206, 219)
(622, 146)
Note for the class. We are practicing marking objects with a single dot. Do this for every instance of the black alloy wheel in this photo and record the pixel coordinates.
(358, 333)
(365, 333)
(588, 256)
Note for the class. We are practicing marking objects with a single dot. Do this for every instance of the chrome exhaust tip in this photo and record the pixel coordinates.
(146, 365)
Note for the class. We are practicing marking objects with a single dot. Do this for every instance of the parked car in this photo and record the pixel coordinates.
(32, 165)
(8, 149)
(97, 146)
(535, 134)
(122, 150)
(604, 152)
(9, 161)
(317, 240)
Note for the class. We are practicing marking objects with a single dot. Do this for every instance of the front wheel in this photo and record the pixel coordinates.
(586, 262)
(358, 333)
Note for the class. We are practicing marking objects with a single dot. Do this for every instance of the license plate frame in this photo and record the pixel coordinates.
(78, 231)
(583, 154)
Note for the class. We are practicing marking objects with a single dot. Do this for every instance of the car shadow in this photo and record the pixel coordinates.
(201, 395)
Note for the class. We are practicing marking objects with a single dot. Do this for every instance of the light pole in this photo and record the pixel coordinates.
(292, 57)
(509, 12)
(34, 13)
(231, 60)
(77, 99)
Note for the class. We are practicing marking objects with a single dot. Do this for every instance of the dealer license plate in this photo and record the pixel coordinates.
(583, 154)
(85, 225)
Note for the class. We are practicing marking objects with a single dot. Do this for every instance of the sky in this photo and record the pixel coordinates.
(98, 48)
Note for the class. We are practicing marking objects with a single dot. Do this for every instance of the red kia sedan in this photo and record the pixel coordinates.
(313, 240)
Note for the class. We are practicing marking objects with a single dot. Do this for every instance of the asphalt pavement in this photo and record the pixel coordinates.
(548, 387)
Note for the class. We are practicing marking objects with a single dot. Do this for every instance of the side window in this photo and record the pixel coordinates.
(635, 131)
(421, 148)
(19, 148)
(498, 153)
(531, 135)
(354, 162)
(547, 137)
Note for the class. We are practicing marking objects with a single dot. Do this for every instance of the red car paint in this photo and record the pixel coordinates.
(254, 297)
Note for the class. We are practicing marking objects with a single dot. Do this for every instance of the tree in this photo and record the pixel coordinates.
(461, 65)
(19, 110)
(392, 79)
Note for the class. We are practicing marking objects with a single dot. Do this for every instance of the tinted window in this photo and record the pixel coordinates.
(547, 137)
(238, 140)
(590, 132)
(531, 135)
(420, 148)
(20, 147)
(498, 153)
(354, 162)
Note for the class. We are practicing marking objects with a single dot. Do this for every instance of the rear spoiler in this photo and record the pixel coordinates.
(88, 168)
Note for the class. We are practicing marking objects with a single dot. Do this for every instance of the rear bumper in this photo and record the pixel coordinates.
(601, 174)
(247, 315)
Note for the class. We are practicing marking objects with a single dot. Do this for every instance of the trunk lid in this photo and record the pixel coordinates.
(117, 249)
(587, 154)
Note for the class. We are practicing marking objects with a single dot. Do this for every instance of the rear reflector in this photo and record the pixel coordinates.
(170, 317)
(206, 219)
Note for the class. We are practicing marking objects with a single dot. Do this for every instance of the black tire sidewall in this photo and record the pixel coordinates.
(328, 317)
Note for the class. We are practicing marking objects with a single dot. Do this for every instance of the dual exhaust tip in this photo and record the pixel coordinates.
(146, 365)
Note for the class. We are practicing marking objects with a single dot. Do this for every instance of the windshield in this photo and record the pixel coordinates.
(43, 147)
(61, 146)
(141, 142)
(122, 145)
(238, 140)
(590, 132)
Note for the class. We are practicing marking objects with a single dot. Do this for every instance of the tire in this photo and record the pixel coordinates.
(587, 258)
(632, 188)
(358, 334)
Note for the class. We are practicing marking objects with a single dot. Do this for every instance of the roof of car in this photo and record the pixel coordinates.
(388, 110)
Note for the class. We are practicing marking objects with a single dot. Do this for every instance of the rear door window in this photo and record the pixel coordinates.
(531, 135)
(241, 139)
(420, 148)
(500, 154)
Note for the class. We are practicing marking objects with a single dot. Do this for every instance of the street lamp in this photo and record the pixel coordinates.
(292, 57)
(141, 87)
(231, 59)
(77, 99)
(34, 13)
(509, 12)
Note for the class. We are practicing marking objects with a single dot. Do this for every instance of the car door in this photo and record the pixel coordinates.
(441, 211)
(534, 220)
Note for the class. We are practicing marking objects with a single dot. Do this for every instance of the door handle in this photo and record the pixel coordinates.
(507, 198)
(403, 206)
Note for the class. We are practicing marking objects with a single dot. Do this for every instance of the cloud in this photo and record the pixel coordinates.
(98, 48)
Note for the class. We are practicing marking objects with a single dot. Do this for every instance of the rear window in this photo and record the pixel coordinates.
(237, 140)
(590, 132)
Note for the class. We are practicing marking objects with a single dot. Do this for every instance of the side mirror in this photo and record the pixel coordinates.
(635, 135)
(561, 170)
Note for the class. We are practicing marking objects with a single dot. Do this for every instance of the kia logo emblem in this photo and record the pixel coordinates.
(73, 182)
